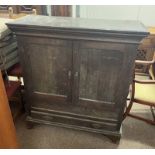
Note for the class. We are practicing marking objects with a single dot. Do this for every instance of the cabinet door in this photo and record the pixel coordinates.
(101, 74)
(47, 67)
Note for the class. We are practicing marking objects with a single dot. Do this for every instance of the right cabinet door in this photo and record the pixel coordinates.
(102, 72)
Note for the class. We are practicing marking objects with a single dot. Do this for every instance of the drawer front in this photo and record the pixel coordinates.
(70, 119)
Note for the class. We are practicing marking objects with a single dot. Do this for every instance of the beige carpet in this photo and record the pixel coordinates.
(135, 134)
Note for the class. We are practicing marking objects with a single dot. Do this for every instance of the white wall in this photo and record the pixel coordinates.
(145, 14)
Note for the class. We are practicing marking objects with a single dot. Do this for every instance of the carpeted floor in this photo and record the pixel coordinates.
(135, 134)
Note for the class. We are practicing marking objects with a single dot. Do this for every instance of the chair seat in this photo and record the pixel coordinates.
(11, 87)
(145, 92)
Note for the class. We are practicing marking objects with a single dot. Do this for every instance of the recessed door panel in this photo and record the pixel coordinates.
(99, 72)
(50, 62)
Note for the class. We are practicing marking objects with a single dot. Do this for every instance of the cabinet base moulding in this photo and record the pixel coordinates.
(114, 136)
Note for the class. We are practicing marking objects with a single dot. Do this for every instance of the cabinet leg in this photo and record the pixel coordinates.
(114, 139)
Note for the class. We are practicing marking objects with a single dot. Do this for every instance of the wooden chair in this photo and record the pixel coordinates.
(16, 71)
(143, 92)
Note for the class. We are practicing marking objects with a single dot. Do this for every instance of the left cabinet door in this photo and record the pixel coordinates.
(47, 65)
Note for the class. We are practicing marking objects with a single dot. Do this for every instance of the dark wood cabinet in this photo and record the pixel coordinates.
(77, 71)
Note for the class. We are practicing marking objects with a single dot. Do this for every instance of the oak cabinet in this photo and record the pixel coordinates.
(77, 71)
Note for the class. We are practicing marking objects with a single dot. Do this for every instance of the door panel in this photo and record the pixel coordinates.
(100, 71)
(97, 70)
(50, 62)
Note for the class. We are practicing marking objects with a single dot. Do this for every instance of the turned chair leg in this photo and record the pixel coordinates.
(128, 109)
(152, 110)
(142, 119)
(127, 113)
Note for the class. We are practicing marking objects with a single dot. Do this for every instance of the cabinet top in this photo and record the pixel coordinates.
(80, 24)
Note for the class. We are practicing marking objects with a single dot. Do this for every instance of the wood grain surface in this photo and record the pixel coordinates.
(8, 138)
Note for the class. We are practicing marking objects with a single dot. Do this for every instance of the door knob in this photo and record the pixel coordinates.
(76, 74)
(69, 74)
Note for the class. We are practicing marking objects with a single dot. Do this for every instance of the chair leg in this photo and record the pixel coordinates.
(126, 113)
(152, 111)
(142, 119)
